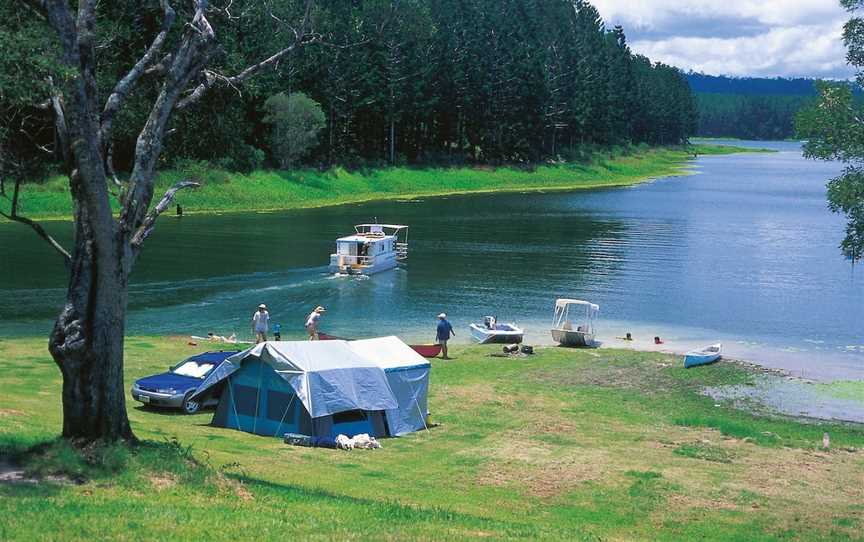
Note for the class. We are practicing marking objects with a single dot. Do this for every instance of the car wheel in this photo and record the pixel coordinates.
(190, 406)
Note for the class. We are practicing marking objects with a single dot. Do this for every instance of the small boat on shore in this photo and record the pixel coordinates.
(702, 356)
(425, 350)
(567, 310)
(491, 331)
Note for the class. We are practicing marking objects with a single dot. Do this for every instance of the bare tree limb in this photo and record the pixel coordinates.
(125, 85)
(40, 231)
(302, 36)
(39, 6)
(188, 60)
(147, 226)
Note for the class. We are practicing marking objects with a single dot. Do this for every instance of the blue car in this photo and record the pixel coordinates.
(174, 388)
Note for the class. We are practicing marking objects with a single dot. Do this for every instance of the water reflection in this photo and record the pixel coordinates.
(743, 251)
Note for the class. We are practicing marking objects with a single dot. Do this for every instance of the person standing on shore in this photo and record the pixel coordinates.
(312, 322)
(260, 323)
(443, 334)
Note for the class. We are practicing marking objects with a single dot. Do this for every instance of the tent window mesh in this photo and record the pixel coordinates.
(245, 399)
(349, 416)
(277, 402)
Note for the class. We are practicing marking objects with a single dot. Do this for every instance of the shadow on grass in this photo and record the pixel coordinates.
(385, 509)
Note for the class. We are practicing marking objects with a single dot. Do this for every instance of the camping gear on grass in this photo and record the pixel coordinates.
(702, 356)
(323, 388)
(490, 331)
(568, 310)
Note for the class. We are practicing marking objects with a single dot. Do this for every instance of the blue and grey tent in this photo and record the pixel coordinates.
(323, 388)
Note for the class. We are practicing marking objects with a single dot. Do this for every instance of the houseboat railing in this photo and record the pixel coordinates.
(401, 251)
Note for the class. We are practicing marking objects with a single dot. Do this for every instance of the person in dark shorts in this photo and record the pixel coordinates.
(444, 332)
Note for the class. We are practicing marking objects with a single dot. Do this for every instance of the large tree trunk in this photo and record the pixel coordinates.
(87, 339)
(87, 345)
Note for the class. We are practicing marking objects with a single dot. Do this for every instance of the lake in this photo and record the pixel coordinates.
(743, 251)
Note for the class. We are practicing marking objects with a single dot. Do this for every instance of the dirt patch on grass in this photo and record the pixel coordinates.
(690, 501)
(474, 395)
(162, 481)
(235, 487)
(647, 378)
(9, 412)
(521, 458)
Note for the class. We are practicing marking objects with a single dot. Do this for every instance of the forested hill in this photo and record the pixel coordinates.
(415, 81)
(749, 107)
(750, 86)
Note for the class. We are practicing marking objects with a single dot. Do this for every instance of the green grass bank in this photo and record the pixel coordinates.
(562, 445)
(270, 190)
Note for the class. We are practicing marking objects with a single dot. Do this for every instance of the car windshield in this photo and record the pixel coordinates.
(193, 368)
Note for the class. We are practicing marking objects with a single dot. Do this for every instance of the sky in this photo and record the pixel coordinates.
(761, 38)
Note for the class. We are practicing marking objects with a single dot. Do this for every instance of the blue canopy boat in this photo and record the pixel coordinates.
(702, 356)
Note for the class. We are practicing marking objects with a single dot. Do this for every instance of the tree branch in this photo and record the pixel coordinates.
(302, 36)
(125, 86)
(147, 226)
(40, 231)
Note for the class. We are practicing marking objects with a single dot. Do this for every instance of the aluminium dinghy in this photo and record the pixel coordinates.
(702, 356)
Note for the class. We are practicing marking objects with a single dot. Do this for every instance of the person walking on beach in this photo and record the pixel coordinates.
(444, 332)
(260, 323)
(312, 322)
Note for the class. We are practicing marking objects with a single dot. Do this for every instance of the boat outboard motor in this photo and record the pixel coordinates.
(489, 322)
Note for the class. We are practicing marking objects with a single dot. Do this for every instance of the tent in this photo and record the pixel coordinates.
(408, 376)
(323, 388)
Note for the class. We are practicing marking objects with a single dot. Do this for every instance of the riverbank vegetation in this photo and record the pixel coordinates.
(565, 444)
(268, 190)
(417, 82)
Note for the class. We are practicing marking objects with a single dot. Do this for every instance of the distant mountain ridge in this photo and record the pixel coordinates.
(758, 86)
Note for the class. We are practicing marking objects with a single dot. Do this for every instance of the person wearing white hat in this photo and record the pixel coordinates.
(443, 334)
(260, 323)
(312, 322)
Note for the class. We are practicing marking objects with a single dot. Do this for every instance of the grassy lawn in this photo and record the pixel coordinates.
(565, 444)
(269, 190)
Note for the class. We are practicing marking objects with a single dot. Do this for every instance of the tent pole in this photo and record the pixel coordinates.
(257, 395)
(233, 404)
(287, 408)
(416, 403)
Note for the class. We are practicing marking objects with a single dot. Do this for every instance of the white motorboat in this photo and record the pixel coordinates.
(371, 249)
(491, 331)
(564, 332)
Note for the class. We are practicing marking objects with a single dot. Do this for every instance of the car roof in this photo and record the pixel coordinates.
(212, 357)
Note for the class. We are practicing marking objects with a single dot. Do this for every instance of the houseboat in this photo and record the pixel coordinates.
(371, 249)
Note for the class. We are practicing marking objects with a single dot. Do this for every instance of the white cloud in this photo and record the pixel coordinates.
(736, 37)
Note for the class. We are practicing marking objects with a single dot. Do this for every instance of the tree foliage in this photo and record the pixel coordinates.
(834, 130)
(416, 81)
(296, 121)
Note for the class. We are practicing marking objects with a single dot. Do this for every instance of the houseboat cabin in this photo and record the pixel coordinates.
(372, 248)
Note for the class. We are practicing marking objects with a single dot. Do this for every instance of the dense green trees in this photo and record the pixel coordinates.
(834, 131)
(416, 81)
(770, 117)
(296, 121)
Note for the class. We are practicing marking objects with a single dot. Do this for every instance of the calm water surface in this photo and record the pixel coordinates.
(744, 251)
